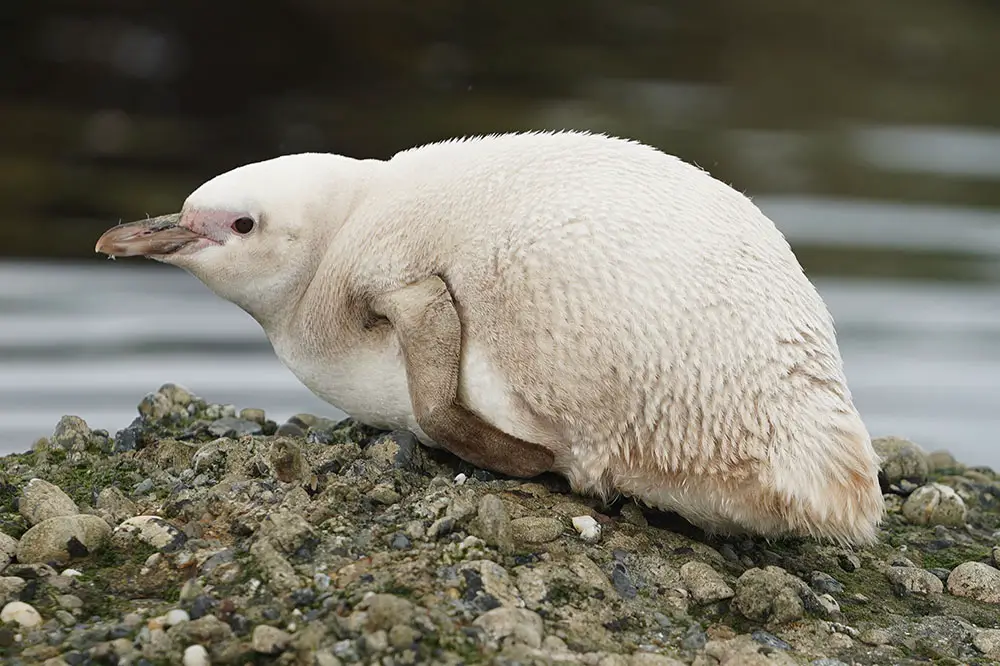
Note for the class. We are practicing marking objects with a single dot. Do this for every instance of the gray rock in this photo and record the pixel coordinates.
(935, 504)
(651, 659)
(494, 522)
(18, 612)
(230, 426)
(386, 610)
(71, 434)
(269, 640)
(911, 580)
(977, 581)
(770, 595)
(41, 500)
(942, 461)
(519, 623)
(257, 416)
(901, 459)
(824, 583)
(112, 504)
(536, 529)
(8, 548)
(63, 538)
(987, 641)
(10, 586)
(150, 530)
(705, 584)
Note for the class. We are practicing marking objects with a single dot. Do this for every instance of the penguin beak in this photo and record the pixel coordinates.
(157, 236)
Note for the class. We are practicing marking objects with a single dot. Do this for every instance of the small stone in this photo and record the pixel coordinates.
(769, 640)
(69, 601)
(385, 494)
(695, 639)
(150, 530)
(196, 655)
(769, 595)
(875, 637)
(230, 426)
(705, 584)
(8, 548)
(402, 636)
(494, 522)
(62, 538)
(826, 661)
(21, 613)
(290, 430)
(536, 529)
(977, 581)
(143, 487)
(65, 618)
(935, 504)
(987, 641)
(910, 580)
(849, 562)
(824, 583)
(10, 587)
(588, 528)
(632, 514)
(71, 434)
(253, 415)
(901, 459)
(41, 500)
(376, 641)
(399, 541)
(176, 616)
(386, 610)
(113, 503)
(520, 623)
(441, 527)
(942, 461)
(269, 640)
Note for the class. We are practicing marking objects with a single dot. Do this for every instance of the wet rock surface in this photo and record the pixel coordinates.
(315, 542)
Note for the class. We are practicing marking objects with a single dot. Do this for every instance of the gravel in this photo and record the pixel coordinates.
(317, 542)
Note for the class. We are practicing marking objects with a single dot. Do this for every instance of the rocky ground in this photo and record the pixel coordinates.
(199, 536)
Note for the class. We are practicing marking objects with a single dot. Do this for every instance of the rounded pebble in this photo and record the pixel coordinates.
(62, 538)
(901, 459)
(588, 528)
(911, 580)
(21, 613)
(705, 584)
(494, 521)
(8, 548)
(520, 623)
(536, 529)
(196, 655)
(41, 500)
(935, 504)
(176, 616)
(977, 581)
(987, 641)
(269, 640)
(150, 530)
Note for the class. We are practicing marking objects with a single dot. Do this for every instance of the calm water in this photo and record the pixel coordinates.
(922, 357)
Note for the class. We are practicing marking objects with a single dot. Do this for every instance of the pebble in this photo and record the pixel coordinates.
(705, 584)
(769, 640)
(901, 459)
(269, 640)
(253, 415)
(650, 659)
(769, 595)
(911, 580)
(977, 581)
(935, 504)
(386, 610)
(536, 529)
(150, 530)
(21, 613)
(196, 655)
(10, 586)
(41, 500)
(176, 616)
(231, 426)
(71, 434)
(588, 528)
(987, 641)
(69, 601)
(494, 522)
(8, 548)
(113, 503)
(62, 538)
(824, 583)
(520, 623)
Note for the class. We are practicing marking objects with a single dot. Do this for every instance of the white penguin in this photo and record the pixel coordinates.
(557, 301)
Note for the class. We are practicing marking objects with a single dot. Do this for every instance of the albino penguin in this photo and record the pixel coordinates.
(535, 302)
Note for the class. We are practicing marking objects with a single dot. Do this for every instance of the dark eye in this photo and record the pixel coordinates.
(244, 225)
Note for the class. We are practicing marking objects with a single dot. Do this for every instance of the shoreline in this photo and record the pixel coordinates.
(205, 535)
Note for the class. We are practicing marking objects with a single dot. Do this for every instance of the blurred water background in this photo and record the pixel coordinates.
(869, 131)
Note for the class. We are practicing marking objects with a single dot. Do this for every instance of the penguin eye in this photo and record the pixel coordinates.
(244, 225)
